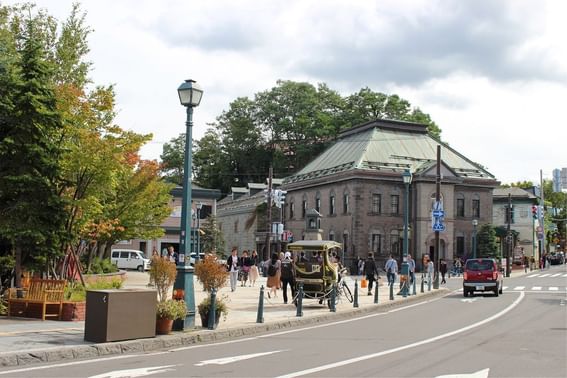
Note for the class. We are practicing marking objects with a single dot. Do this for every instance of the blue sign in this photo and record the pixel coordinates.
(438, 226)
(438, 213)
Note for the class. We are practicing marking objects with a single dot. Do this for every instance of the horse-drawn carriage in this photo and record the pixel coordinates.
(317, 268)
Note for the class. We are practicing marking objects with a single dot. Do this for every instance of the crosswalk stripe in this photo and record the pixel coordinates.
(536, 288)
(553, 288)
(556, 274)
(519, 288)
(565, 275)
(533, 275)
(545, 275)
(504, 287)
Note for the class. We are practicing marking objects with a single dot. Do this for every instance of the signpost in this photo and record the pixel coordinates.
(437, 217)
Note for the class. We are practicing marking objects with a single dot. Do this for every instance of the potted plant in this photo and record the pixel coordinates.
(213, 275)
(162, 276)
(74, 304)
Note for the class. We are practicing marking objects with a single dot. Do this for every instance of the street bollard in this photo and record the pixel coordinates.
(260, 317)
(414, 293)
(405, 288)
(355, 302)
(376, 292)
(332, 304)
(392, 291)
(299, 300)
(422, 279)
(429, 283)
(213, 309)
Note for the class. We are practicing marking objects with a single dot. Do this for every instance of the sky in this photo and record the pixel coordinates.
(491, 74)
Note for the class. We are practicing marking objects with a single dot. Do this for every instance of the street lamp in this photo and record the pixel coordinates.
(405, 266)
(190, 95)
(474, 224)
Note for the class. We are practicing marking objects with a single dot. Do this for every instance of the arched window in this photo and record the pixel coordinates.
(331, 235)
(291, 208)
(345, 203)
(332, 209)
(318, 202)
(476, 206)
(304, 207)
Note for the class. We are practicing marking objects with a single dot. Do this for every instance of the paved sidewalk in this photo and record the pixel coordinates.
(25, 341)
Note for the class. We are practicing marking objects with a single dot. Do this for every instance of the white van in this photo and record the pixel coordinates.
(130, 259)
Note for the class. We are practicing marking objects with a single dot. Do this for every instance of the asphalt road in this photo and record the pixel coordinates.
(522, 333)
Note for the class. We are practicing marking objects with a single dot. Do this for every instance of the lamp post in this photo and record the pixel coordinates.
(405, 266)
(190, 96)
(474, 224)
(198, 255)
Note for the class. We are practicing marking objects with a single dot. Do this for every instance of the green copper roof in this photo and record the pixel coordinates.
(387, 146)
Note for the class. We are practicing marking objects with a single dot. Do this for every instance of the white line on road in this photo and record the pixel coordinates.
(536, 288)
(519, 288)
(545, 275)
(479, 374)
(556, 274)
(565, 275)
(412, 345)
(553, 288)
(228, 360)
(505, 288)
(141, 372)
(67, 364)
(533, 275)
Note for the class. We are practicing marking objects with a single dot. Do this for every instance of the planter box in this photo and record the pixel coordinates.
(73, 311)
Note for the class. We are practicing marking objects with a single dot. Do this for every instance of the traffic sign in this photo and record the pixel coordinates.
(539, 229)
(438, 226)
(438, 213)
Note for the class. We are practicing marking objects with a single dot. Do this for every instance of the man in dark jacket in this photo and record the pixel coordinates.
(371, 272)
(287, 276)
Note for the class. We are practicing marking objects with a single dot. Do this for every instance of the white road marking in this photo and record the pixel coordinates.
(404, 347)
(565, 275)
(553, 288)
(469, 300)
(141, 372)
(505, 288)
(545, 275)
(533, 275)
(519, 288)
(478, 374)
(228, 360)
(556, 274)
(536, 288)
(68, 364)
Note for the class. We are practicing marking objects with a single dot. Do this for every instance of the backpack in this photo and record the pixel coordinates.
(286, 270)
(272, 269)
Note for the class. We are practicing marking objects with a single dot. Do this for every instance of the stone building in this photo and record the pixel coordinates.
(356, 185)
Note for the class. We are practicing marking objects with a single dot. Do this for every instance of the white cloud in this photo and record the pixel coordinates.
(493, 75)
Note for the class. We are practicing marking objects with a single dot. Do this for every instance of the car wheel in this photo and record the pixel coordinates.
(140, 268)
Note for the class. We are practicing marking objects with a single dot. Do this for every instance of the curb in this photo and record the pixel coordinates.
(181, 339)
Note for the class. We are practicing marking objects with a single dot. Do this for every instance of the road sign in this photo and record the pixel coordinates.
(539, 229)
(438, 226)
(438, 213)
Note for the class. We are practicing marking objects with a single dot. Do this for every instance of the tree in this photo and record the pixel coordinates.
(32, 214)
(486, 241)
(172, 159)
(210, 165)
(212, 238)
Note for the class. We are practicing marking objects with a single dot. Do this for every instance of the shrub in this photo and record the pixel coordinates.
(101, 266)
(221, 306)
(3, 305)
(211, 273)
(171, 309)
(76, 292)
(162, 276)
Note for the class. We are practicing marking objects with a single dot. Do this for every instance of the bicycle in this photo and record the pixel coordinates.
(342, 287)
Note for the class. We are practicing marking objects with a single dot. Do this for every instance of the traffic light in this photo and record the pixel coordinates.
(534, 211)
(279, 197)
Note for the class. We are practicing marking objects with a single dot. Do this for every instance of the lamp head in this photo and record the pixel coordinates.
(407, 176)
(190, 93)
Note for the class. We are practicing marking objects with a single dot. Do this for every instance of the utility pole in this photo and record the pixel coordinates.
(437, 200)
(508, 236)
(541, 218)
(267, 252)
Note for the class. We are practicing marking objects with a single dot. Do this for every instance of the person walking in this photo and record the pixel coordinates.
(371, 272)
(274, 273)
(411, 266)
(391, 270)
(430, 270)
(443, 270)
(360, 266)
(254, 268)
(244, 268)
(287, 276)
(232, 264)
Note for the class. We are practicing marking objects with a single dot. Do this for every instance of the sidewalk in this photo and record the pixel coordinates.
(26, 341)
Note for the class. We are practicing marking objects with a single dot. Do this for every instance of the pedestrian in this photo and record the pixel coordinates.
(274, 273)
(302, 257)
(360, 266)
(430, 270)
(526, 263)
(232, 267)
(391, 270)
(171, 254)
(411, 266)
(287, 276)
(244, 268)
(155, 253)
(371, 272)
(458, 266)
(443, 270)
(254, 274)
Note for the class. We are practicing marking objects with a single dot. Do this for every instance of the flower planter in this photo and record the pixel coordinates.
(163, 326)
(74, 311)
(205, 319)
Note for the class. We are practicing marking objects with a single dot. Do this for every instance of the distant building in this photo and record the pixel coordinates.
(559, 179)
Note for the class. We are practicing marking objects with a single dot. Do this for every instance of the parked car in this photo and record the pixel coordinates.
(130, 259)
(556, 258)
(482, 275)
(192, 257)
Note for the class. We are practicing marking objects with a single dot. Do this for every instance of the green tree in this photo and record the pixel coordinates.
(172, 159)
(212, 238)
(486, 241)
(210, 165)
(32, 214)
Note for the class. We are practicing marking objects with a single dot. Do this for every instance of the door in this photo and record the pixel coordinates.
(124, 260)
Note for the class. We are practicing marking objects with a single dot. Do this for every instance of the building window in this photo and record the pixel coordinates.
(345, 203)
(291, 210)
(332, 235)
(460, 246)
(395, 204)
(476, 208)
(303, 209)
(395, 244)
(460, 207)
(235, 226)
(345, 243)
(508, 215)
(376, 244)
(332, 205)
(376, 203)
(318, 203)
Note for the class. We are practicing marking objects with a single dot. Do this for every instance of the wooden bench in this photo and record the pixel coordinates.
(46, 293)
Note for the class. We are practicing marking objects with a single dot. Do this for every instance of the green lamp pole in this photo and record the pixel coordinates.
(474, 223)
(190, 95)
(405, 266)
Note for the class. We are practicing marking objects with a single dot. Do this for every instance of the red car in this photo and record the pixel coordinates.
(482, 275)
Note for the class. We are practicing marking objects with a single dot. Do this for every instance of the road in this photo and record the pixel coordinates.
(521, 333)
